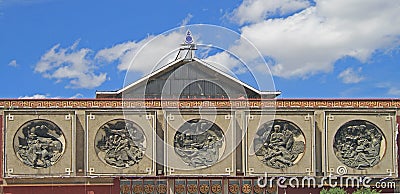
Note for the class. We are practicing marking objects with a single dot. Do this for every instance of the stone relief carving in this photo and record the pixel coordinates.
(359, 144)
(120, 143)
(279, 144)
(39, 143)
(199, 143)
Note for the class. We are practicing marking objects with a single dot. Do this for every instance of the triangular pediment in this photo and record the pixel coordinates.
(187, 79)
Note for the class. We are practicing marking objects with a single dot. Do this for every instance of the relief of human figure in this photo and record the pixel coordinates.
(198, 143)
(39, 143)
(120, 143)
(358, 144)
(279, 149)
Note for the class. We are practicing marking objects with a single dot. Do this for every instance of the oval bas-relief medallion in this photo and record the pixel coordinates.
(359, 144)
(279, 144)
(39, 143)
(199, 143)
(120, 143)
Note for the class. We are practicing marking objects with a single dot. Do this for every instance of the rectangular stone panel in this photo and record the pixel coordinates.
(279, 143)
(39, 143)
(200, 144)
(120, 147)
(360, 143)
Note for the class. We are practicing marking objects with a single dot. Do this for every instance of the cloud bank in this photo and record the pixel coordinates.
(311, 40)
(70, 64)
(298, 38)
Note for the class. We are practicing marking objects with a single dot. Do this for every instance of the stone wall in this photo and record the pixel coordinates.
(48, 142)
(68, 145)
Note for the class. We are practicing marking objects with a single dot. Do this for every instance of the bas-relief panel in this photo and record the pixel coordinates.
(39, 143)
(199, 143)
(120, 143)
(279, 144)
(359, 144)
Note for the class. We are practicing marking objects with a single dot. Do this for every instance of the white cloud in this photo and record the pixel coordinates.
(310, 41)
(71, 64)
(226, 63)
(123, 53)
(78, 65)
(13, 63)
(78, 95)
(394, 91)
(390, 87)
(223, 59)
(252, 11)
(144, 55)
(186, 20)
(35, 96)
(47, 96)
(350, 76)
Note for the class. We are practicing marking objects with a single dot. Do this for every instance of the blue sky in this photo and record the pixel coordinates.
(314, 49)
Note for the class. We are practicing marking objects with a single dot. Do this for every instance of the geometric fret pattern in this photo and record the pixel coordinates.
(119, 103)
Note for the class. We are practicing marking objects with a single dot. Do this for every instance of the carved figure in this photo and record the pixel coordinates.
(279, 144)
(39, 143)
(120, 143)
(199, 142)
(357, 144)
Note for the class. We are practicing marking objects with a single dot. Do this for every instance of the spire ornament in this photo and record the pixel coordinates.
(189, 38)
(188, 47)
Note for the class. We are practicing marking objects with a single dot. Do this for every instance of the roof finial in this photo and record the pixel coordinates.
(188, 47)
(189, 38)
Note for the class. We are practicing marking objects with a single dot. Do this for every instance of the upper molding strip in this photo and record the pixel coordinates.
(219, 103)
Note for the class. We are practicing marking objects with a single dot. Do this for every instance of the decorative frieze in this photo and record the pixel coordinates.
(219, 103)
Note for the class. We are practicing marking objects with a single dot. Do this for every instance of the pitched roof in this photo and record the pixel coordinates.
(178, 63)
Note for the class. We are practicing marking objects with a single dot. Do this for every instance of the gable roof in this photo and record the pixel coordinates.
(178, 63)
